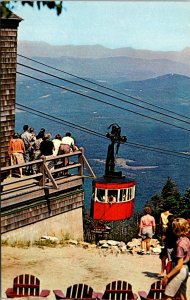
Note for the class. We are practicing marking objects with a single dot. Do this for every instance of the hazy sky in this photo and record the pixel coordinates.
(142, 25)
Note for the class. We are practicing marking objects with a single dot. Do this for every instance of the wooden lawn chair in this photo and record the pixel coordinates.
(76, 291)
(118, 290)
(26, 285)
(156, 292)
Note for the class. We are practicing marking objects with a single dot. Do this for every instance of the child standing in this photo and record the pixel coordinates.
(176, 279)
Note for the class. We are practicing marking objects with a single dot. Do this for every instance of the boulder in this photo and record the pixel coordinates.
(105, 245)
(72, 242)
(112, 243)
(101, 242)
(52, 239)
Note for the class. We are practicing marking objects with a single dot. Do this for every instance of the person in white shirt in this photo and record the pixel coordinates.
(57, 142)
(67, 145)
(68, 140)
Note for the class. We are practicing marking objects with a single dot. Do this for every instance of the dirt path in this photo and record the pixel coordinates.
(59, 267)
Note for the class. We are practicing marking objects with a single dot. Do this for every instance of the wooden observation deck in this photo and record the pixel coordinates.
(47, 203)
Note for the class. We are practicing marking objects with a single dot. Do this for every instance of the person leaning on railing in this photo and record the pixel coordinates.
(67, 145)
(16, 151)
(46, 149)
(37, 152)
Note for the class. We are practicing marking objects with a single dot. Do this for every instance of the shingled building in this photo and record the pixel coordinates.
(8, 61)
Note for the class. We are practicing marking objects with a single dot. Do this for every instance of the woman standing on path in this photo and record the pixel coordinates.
(176, 280)
(146, 230)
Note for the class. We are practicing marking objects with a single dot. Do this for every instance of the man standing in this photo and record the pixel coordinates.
(16, 151)
(67, 145)
(27, 139)
(69, 141)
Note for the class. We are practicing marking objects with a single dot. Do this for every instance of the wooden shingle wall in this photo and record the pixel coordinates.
(8, 60)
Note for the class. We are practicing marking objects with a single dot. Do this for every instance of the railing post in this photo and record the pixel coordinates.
(42, 170)
(80, 161)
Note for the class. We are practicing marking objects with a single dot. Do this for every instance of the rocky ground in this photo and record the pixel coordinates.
(60, 266)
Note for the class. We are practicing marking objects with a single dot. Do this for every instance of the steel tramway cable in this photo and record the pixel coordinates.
(105, 94)
(81, 128)
(103, 101)
(102, 86)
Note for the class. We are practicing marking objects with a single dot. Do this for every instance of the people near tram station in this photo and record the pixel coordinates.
(146, 230)
(16, 151)
(33, 135)
(167, 253)
(67, 145)
(57, 142)
(69, 141)
(164, 223)
(46, 148)
(42, 132)
(27, 139)
(176, 280)
(37, 152)
(41, 145)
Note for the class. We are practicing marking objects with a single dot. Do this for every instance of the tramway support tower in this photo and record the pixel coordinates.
(113, 194)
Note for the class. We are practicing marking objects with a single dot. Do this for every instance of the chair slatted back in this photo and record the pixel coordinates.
(26, 285)
(79, 291)
(118, 290)
(157, 292)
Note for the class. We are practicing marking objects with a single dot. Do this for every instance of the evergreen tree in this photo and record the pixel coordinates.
(184, 207)
(171, 196)
(170, 189)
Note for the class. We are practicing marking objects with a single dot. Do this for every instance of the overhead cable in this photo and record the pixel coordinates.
(103, 101)
(105, 94)
(81, 128)
(102, 86)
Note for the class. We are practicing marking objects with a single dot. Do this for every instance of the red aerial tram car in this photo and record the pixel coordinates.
(113, 194)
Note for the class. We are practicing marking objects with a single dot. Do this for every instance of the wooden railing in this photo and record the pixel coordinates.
(44, 173)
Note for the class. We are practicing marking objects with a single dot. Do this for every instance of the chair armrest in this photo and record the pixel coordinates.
(143, 295)
(97, 295)
(9, 293)
(59, 294)
(44, 293)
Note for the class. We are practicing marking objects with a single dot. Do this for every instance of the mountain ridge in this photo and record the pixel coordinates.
(112, 68)
(98, 51)
(99, 62)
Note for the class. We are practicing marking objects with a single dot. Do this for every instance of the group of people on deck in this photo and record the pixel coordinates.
(28, 146)
(175, 250)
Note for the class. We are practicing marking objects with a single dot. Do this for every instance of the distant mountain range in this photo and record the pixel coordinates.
(172, 90)
(101, 63)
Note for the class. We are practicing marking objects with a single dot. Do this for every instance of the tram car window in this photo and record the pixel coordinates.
(100, 195)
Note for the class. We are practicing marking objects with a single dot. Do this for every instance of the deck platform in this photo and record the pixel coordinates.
(48, 201)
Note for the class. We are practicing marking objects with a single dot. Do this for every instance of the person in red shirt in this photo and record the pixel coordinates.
(16, 151)
(146, 230)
